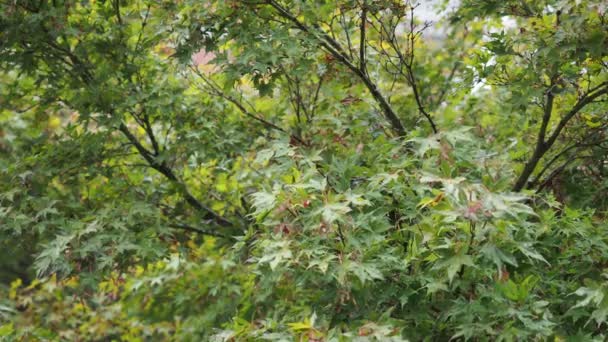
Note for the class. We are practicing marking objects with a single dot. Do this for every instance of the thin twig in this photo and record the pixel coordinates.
(197, 230)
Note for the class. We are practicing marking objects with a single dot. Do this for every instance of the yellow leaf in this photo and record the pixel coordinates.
(139, 270)
(12, 294)
(299, 326)
(71, 282)
(54, 122)
(221, 184)
(427, 201)
(218, 206)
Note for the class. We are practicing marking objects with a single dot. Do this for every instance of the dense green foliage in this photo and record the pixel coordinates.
(299, 170)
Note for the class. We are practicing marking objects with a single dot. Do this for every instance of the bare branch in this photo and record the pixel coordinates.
(598, 91)
(446, 86)
(406, 61)
(336, 50)
(347, 34)
(555, 158)
(198, 230)
(141, 31)
(215, 89)
(543, 146)
(315, 98)
(557, 171)
(362, 42)
(210, 214)
(150, 134)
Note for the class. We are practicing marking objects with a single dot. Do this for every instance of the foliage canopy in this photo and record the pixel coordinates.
(303, 170)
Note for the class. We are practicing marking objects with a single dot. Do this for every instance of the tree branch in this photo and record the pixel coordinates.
(362, 38)
(598, 91)
(556, 172)
(197, 230)
(578, 147)
(315, 98)
(446, 86)
(209, 214)
(408, 62)
(543, 146)
(334, 48)
(150, 133)
(214, 89)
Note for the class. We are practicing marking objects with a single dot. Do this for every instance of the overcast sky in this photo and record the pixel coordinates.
(427, 10)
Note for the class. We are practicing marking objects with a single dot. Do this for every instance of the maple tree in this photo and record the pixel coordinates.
(303, 170)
